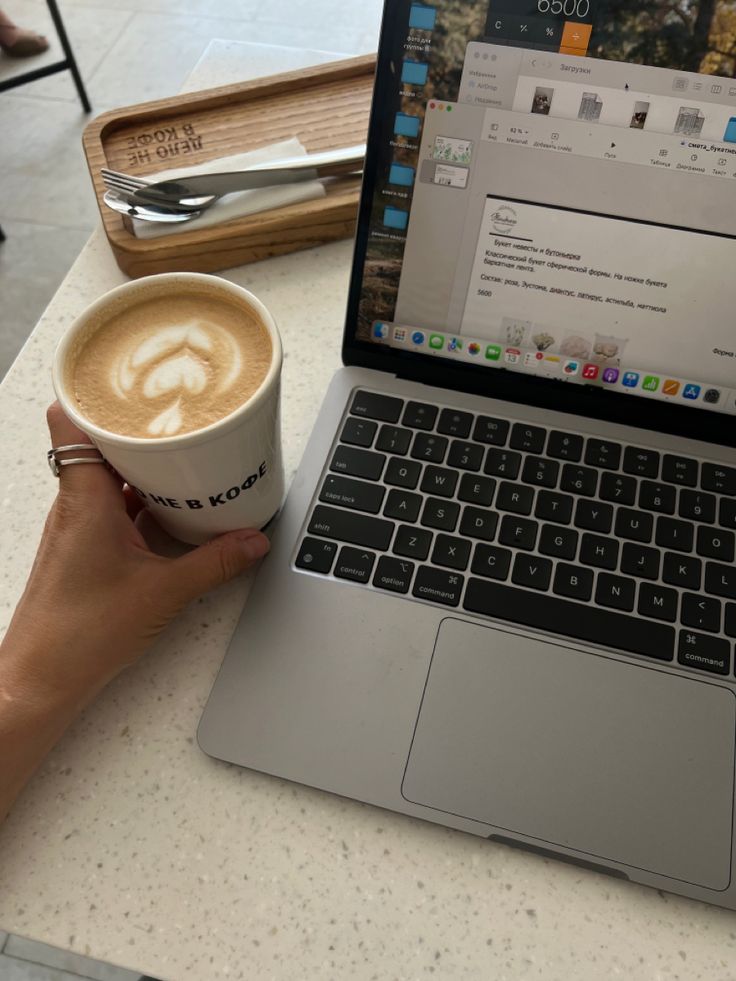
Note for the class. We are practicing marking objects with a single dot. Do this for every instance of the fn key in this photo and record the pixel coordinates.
(316, 555)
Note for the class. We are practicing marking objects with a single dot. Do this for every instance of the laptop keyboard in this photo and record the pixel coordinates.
(616, 545)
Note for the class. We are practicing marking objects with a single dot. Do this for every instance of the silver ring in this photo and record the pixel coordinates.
(55, 465)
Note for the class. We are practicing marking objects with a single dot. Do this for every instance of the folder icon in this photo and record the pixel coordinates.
(414, 72)
(422, 17)
(406, 125)
(730, 135)
(401, 174)
(395, 217)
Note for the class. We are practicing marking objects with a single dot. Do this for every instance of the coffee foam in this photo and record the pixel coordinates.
(165, 364)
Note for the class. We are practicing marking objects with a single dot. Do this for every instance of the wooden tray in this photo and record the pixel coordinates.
(326, 106)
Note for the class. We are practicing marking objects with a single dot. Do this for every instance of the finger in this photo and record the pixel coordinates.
(84, 478)
(133, 503)
(213, 564)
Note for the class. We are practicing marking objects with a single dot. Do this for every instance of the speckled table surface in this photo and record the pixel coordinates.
(133, 847)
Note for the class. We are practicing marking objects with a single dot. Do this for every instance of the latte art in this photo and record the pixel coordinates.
(170, 366)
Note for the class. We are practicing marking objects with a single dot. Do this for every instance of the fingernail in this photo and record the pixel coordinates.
(254, 543)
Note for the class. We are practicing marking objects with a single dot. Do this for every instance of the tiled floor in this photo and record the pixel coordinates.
(128, 51)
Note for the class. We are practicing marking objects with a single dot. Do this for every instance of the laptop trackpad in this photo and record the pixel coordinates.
(616, 761)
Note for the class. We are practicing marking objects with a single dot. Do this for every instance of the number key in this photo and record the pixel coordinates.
(429, 447)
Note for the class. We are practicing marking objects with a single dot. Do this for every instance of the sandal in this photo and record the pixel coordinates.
(24, 44)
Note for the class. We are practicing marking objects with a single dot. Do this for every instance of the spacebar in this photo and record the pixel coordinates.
(559, 616)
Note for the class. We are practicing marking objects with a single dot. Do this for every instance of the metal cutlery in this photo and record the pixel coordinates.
(124, 205)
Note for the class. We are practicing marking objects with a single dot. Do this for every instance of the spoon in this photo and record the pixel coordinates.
(150, 212)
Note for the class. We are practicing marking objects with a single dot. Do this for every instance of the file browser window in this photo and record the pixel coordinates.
(561, 212)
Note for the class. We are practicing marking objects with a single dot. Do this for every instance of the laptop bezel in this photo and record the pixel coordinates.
(516, 387)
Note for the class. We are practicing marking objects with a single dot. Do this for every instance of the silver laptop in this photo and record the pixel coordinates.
(502, 593)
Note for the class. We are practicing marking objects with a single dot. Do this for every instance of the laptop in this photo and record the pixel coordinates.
(501, 594)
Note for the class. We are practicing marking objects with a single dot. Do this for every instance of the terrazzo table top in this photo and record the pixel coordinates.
(133, 847)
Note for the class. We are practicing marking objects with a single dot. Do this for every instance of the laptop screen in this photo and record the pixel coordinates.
(552, 196)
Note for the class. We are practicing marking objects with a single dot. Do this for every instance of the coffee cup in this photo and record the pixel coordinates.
(175, 379)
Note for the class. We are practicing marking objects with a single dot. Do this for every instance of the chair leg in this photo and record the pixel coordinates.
(69, 54)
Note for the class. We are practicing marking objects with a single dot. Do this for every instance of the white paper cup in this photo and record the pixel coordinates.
(225, 476)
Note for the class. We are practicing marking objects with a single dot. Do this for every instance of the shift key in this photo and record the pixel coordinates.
(347, 526)
(357, 463)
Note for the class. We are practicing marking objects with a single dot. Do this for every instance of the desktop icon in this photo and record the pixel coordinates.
(630, 379)
(406, 125)
(380, 330)
(395, 217)
(400, 334)
(512, 355)
(493, 352)
(422, 16)
(454, 344)
(532, 359)
(711, 395)
(414, 72)
(417, 337)
(590, 371)
(670, 387)
(401, 174)
(473, 348)
(610, 375)
(571, 368)
(436, 341)
(691, 391)
(650, 383)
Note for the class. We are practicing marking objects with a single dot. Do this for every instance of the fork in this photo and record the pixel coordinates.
(200, 191)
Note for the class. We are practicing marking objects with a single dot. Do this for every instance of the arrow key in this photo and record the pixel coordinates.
(316, 555)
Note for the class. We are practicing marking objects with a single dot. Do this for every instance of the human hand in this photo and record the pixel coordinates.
(97, 595)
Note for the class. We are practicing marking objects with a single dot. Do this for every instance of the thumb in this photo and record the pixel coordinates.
(215, 563)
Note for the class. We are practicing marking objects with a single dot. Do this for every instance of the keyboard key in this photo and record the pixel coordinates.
(615, 592)
(491, 431)
(729, 620)
(565, 446)
(316, 555)
(355, 494)
(703, 652)
(680, 470)
(430, 448)
(491, 562)
(502, 463)
(657, 497)
(598, 551)
(617, 488)
(672, 533)
(465, 456)
(640, 560)
(540, 471)
(727, 513)
(514, 497)
(698, 506)
(578, 480)
(602, 453)
(658, 602)
(451, 552)
(720, 580)
(635, 525)
(479, 523)
(641, 463)
(454, 423)
(718, 478)
(560, 616)
(354, 564)
(402, 473)
(476, 490)
(393, 574)
(348, 526)
(403, 505)
(440, 514)
(358, 432)
(438, 585)
(518, 532)
(532, 571)
(357, 463)
(560, 543)
(682, 570)
(529, 438)
(552, 506)
(419, 415)
(437, 480)
(594, 516)
(573, 581)
(382, 407)
(715, 543)
(413, 542)
(701, 612)
(392, 439)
